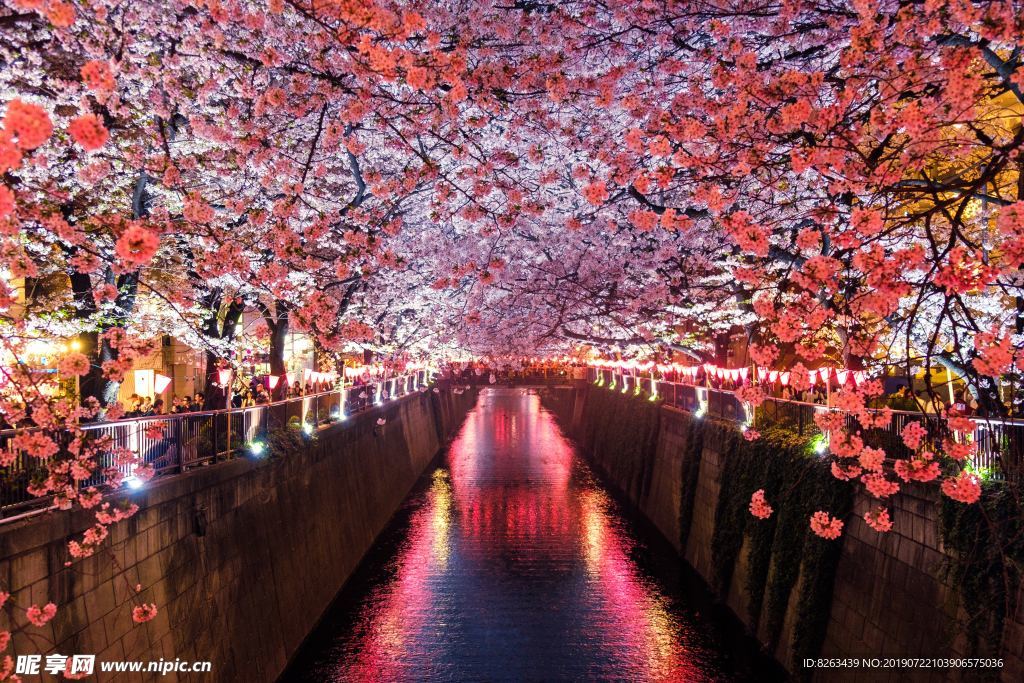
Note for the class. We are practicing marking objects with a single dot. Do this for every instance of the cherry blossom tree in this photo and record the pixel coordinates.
(839, 181)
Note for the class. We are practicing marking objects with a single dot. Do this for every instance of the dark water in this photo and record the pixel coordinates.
(511, 562)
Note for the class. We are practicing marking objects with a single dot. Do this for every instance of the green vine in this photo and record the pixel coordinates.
(689, 476)
(783, 554)
(285, 441)
(984, 557)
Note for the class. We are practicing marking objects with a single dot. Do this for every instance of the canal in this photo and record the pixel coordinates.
(510, 561)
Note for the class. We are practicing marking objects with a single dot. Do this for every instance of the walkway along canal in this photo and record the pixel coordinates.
(511, 562)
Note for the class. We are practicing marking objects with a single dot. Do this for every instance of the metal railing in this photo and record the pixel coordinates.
(999, 441)
(179, 441)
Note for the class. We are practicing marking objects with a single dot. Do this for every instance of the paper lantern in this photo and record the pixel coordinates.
(160, 383)
(784, 378)
(306, 375)
(843, 376)
(743, 373)
(734, 374)
(273, 381)
(859, 376)
(773, 376)
(224, 376)
(812, 376)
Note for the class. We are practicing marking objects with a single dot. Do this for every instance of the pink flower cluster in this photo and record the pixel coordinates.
(920, 467)
(73, 364)
(912, 434)
(965, 488)
(89, 132)
(995, 353)
(878, 520)
(137, 245)
(759, 506)
(144, 612)
(38, 616)
(879, 486)
(826, 526)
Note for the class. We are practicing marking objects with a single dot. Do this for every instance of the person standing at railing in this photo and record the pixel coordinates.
(134, 406)
(158, 407)
(930, 404)
(964, 403)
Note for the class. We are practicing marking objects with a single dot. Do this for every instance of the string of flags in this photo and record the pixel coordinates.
(822, 375)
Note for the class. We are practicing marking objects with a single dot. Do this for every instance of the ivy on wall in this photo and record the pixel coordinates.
(783, 554)
(621, 432)
(985, 556)
(689, 476)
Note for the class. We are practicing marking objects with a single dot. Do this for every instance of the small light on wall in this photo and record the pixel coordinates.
(133, 482)
(257, 448)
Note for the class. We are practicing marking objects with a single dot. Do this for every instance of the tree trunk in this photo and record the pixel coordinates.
(278, 338)
(217, 329)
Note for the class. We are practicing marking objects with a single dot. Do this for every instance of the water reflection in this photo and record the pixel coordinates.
(513, 564)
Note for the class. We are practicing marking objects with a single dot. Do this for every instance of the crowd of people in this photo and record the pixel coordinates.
(243, 395)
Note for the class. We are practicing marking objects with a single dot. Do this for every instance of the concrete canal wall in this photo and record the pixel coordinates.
(242, 558)
(865, 595)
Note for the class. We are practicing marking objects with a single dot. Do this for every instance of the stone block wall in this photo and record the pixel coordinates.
(242, 558)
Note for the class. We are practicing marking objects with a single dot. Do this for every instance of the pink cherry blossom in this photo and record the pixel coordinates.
(759, 506)
(144, 612)
(38, 616)
(964, 488)
(826, 526)
(137, 245)
(878, 520)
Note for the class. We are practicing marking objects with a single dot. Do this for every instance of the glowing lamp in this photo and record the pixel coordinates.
(160, 383)
(224, 376)
(273, 381)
